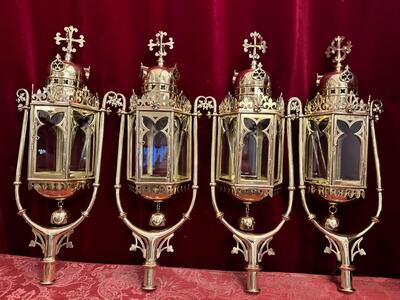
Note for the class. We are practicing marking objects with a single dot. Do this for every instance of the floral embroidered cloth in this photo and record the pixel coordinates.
(19, 279)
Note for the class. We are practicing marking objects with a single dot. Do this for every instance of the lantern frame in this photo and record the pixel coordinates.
(253, 190)
(58, 96)
(349, 109)
(158, 187)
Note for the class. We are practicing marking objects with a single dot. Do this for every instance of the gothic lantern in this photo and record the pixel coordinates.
(65, 126)
(159, 134)
(159, 152)
(334, 139)
(250, 135)
(249, 154)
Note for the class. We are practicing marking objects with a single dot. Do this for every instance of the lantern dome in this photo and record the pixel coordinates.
(252, 82)
(339, 82)
(159, 79)
(68, 74)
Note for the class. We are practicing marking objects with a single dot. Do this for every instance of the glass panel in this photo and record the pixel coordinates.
(317, 149)
(228, 140)
(225, 155)
(278, 138)
(264, 156)
(78, 151)
(49, 143)
(348, 151)
(255, 149)
(155, 148)
(81, 146)
(249, 157)
(133, 148)
(180, 145)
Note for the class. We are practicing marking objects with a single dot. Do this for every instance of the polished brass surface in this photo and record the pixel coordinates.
(250, 132)
(251, 112)
(339, 107)
(161, 129)
(61, 114)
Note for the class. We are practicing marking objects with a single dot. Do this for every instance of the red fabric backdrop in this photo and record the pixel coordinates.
(208, 47)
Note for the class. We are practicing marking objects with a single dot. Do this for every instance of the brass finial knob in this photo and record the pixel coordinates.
(340, 51)
(258, 43)
(69, 40)
(161, 45)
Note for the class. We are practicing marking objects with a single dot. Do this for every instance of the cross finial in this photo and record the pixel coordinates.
(340, 51)
(69, 31)
(257, 44)
(161, 45)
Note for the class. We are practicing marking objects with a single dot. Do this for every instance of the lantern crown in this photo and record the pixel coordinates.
(67, 81)
(159, 82)
(337, 90)
(255, 81)
(160, 79)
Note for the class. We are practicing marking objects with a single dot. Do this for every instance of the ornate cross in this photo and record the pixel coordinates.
(339, 50)
(69, 40)
(161, 45)
(257, 44)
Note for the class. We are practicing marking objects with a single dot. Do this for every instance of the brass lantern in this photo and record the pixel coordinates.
(249, 151)
(250, 135)
(65, 126)
(159, 152)
(333, 149)
(159, 134)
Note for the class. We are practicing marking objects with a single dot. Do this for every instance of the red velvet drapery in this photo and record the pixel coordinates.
(208, 37)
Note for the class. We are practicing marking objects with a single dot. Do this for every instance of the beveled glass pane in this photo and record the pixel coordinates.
(133, 148)
(81, 142)
(182, 166)
(225, 155)
(228, 141)
(255, 144)
(264, 157)
(180, 145)
(317, 149)
(348, 151)
(249, 157)
(155, 148)
(278, 138)
(46, 155)
(49, 144)
(78, 151)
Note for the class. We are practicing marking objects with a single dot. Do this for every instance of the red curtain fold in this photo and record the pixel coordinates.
(208, 48)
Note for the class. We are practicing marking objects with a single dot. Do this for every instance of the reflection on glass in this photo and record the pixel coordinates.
(81, 146)
(180, 145)
(255, 163)
(49, 142)
(155, 148)
(228, 140)
(317, 149)
(348, 151)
